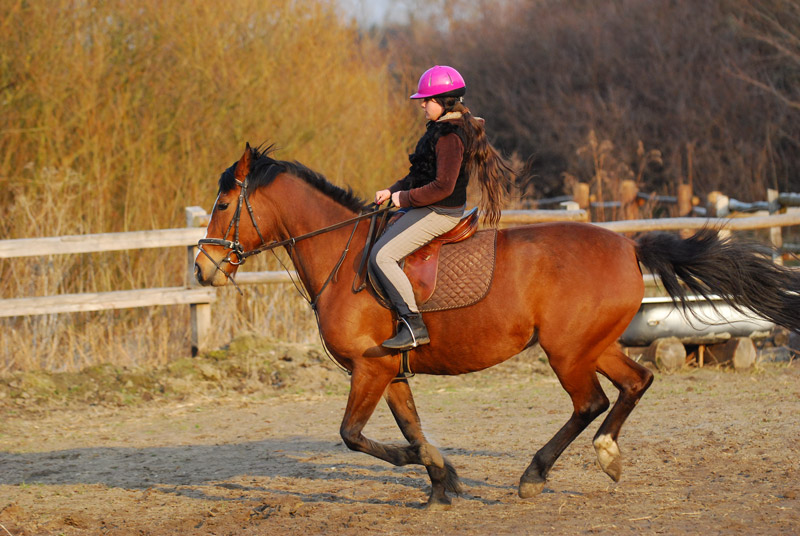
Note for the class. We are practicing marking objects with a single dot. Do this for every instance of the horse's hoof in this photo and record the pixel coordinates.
(608, 456)
(437, 504)
(529, 489)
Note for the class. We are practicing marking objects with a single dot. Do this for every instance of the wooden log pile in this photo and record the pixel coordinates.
(669, 354)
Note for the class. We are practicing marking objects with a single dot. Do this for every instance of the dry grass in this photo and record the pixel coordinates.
(117, 115)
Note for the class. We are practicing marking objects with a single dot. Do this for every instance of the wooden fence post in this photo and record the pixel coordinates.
(580, 194)
(685, 208)
(775, 235)
(684, 200)
(628, 192)
(200, 312)
(718, 204)
(719, 207)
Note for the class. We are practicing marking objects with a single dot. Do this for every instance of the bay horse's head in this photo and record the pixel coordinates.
(246, 220)
(233, 232)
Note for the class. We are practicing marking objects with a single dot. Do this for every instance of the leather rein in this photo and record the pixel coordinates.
(235, 247)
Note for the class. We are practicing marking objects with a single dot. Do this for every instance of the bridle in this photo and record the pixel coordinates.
(235, 247)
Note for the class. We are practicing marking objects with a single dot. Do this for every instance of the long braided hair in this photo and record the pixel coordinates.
(482, 161)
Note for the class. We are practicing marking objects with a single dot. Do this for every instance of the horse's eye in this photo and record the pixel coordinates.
(222, 206)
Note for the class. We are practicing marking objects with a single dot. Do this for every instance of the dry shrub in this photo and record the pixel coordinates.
(116, 115)
(711, 85)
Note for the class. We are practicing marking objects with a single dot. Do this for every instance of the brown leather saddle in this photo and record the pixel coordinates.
(462, 278)
(421, 266)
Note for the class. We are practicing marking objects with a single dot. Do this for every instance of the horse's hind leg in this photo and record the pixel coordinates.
(588, 402)
(443, 476)
(632, 380)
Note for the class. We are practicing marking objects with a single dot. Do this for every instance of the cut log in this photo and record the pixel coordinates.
(780, 336)
(776, 354)
(740, 352)
(667, 353)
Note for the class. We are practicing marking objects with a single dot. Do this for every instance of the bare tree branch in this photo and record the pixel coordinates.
(741, 75)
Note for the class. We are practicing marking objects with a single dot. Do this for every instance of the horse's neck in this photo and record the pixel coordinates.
(316, 257)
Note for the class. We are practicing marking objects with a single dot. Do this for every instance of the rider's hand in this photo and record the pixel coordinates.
(396, 199)
(382, 196)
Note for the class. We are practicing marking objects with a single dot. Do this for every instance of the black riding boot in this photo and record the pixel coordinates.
(411, 333)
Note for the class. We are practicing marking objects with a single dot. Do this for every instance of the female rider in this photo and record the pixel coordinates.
(453, 150)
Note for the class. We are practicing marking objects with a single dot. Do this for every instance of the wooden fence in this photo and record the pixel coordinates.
(629, 203)
(200, 298)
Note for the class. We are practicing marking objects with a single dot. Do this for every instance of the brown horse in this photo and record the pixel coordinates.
(571, 287)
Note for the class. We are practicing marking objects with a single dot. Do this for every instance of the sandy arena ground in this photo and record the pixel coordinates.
(706, 452)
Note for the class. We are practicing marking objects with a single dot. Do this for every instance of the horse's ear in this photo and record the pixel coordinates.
(243, 165)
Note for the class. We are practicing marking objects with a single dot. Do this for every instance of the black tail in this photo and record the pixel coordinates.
(741, 273)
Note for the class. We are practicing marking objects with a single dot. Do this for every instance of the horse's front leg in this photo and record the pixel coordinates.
(442, 474)
(367, 385)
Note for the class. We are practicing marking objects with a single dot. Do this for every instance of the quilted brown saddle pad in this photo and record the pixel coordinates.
(462, 277)
(465, 272)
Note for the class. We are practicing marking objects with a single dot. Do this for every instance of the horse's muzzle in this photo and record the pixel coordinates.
(210, 272)
(198, 274)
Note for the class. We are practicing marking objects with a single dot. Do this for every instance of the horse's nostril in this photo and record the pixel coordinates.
(197, 273)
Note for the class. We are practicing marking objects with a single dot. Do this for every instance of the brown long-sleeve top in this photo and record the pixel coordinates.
(449, 155)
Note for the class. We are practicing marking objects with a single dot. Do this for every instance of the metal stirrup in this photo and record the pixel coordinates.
(413, 337)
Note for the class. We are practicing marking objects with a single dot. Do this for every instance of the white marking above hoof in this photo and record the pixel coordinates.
(430, 455)
(608, 456)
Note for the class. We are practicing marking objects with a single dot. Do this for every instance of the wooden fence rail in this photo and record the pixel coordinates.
(200, 298)
(626, 202)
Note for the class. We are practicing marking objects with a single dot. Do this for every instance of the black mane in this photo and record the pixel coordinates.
(264, 169)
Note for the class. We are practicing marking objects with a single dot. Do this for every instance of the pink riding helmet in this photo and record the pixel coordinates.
(440, 81)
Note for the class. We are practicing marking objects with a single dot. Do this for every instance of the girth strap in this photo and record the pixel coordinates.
(405, 368)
